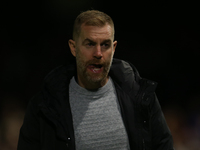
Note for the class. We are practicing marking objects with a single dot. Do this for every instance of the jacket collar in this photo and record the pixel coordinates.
(125, 75)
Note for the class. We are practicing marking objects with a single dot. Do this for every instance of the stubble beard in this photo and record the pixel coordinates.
(96, 80)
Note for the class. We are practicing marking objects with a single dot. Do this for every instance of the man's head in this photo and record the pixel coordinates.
(93, 46)
(91, 18)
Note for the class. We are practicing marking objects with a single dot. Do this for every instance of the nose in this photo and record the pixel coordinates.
(98, 53)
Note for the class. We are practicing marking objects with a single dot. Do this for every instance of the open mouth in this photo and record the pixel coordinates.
(95, 68)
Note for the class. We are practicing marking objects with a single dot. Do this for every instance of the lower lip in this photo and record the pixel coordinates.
(95, 70)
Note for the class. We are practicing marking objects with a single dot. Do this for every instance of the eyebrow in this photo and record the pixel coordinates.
(89, 40)
(106, 41)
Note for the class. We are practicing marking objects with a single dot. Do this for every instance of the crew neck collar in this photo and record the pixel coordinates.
(75, 86)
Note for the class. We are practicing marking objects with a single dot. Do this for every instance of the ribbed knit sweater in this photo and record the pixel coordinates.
(97, 120)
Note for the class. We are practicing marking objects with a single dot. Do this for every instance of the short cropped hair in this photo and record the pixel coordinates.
(91, 18)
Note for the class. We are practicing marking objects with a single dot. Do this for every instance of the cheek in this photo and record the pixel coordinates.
(109, 54)
(86, 54)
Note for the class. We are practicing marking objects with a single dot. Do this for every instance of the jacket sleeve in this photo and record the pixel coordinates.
(29, 138)
(161, 135)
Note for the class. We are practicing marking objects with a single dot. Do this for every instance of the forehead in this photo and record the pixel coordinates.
(96, 32)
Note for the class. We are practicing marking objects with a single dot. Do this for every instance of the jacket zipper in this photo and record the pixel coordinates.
(141, 95)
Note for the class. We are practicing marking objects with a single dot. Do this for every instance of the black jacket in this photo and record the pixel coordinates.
(48, 120)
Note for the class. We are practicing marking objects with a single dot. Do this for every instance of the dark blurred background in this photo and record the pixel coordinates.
(161, 38)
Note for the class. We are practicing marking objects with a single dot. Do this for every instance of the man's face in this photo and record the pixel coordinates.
(94, 50)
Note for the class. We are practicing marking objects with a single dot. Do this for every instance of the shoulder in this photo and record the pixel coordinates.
(34, 102)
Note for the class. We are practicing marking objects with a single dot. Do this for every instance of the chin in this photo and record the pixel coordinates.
(96, 80)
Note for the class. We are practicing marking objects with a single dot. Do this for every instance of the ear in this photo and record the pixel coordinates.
(114, 45)
(72, 46)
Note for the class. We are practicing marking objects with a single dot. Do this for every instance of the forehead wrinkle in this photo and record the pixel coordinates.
(96, 33)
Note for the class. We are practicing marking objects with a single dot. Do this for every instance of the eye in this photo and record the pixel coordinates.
(105, 45)
(90, 44)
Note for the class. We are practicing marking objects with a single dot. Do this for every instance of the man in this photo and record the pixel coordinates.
(96, 103)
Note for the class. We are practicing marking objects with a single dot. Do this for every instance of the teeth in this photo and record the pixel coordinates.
(96, 69)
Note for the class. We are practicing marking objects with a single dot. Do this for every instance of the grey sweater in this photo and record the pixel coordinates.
(97, 119)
